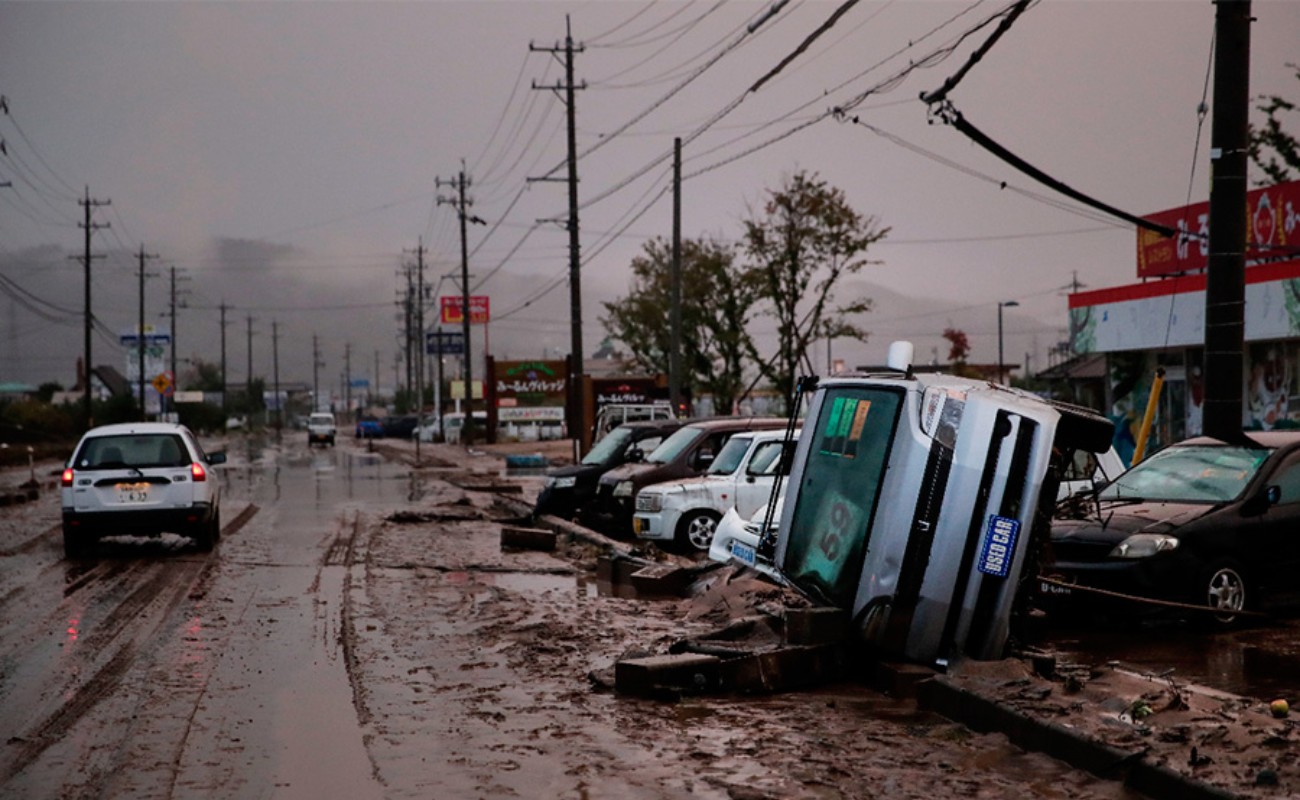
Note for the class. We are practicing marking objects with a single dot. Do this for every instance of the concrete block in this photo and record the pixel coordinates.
(816, 626)
(527, 538)
(685, 672)
(899, 679)
(782, 669)
(660, 579)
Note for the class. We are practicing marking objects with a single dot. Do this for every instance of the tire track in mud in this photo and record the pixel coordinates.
(32, 544)
(181, 576)
(348, 642)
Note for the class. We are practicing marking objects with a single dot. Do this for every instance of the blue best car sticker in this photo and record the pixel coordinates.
(999, 545)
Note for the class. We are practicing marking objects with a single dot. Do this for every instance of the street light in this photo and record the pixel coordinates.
(1002, 372)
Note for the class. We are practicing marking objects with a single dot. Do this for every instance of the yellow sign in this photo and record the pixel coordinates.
(163, 383)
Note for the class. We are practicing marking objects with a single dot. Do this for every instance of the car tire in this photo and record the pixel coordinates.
(75, 545)
(205, 538)
(1224, 585)
(695, 531)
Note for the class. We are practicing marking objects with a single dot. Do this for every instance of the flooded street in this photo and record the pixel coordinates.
(359, 632)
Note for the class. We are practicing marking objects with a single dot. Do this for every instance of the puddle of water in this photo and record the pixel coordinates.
(533, 582)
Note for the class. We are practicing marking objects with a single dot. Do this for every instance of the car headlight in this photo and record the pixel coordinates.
(623, 489)
(649, 501)
(562, 483)
(1144, 545)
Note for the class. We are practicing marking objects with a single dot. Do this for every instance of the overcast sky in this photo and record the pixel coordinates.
(286, 158)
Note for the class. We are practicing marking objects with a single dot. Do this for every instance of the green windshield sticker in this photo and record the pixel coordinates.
(844, 426)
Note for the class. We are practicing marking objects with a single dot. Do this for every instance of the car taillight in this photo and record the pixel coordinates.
(67, 477)
(198, 472)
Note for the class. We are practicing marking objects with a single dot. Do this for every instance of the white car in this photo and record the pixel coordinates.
(140, 478)
(321, 428)
(687, 510)
(736, 540)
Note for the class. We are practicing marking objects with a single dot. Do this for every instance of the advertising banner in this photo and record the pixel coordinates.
(1272, 232)
(452, 314)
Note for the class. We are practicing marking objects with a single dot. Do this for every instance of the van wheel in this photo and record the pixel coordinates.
(695, 531)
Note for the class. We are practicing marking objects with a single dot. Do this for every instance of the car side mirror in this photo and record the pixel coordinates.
(216, 458)
(636, 455)
(703, 460)
(1262, 502)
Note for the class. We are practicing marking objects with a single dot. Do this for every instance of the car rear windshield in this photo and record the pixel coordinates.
(1190, 474)
(321, 419)
(132, 450)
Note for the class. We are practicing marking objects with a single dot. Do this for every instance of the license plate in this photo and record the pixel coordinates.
(1054, 589)
(133, 492)
(742, 552)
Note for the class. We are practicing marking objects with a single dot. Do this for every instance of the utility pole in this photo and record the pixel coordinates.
(315, 374)
(576, 415)
(175, 374)
(140, 335)
(90, 227)
(1225, 290)
(223, 308)
(419, 337)
(248, 384)
(347, 377)
(461, 203)
(275, 373)
(675, 356)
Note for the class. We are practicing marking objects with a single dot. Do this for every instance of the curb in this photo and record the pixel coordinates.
(1066, 744)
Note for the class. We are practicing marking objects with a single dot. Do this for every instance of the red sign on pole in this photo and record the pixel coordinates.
(452, 314)
(1273, 226)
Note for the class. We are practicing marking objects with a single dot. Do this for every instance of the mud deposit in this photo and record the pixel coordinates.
(363, 634)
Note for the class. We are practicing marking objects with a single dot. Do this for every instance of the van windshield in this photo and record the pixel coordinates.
(840, 487)
(675, 445)
(608, 447)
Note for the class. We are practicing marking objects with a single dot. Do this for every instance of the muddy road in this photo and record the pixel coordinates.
(359, 632)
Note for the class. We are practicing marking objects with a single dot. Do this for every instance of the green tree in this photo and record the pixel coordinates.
(1272, 149)
(805, 241)
(203, 377)
(717, 305)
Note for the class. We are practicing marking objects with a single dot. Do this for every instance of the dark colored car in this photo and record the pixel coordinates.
(1202, 522)
(369, 428)
(399, 427)
(685, 454)
(567, 489)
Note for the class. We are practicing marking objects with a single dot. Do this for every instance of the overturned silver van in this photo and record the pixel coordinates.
(918, 503)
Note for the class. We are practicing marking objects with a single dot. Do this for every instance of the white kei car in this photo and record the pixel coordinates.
(686, 511)
(736, 540)
(140, 478)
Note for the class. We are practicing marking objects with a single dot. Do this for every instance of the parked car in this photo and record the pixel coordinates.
(321, 428)
(611, 416)
(369, 428)
(454, 422)
(399, 426)
(736, 539)
(1087, 471)
(686, 511)
(686, 453)
(567, 489)
(1201, 522)
(140, 478)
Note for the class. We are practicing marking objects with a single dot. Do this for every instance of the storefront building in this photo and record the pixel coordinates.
(1160, 323)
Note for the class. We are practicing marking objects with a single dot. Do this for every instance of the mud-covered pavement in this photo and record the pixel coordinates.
(359, 632)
